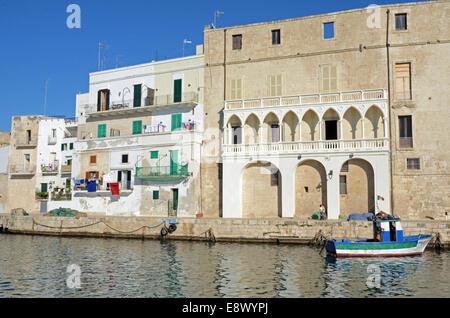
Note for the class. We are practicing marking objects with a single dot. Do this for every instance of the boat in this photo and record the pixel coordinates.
(388, 241)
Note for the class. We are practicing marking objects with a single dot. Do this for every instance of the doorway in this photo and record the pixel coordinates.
(331, 130)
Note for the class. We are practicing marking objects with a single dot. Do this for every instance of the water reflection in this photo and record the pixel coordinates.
(36, 267)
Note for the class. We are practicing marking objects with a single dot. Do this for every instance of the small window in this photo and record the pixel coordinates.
(71, 146)
(93, 160)
(155, 195)
(343, 184)
(328, 30)
(63, 147)
(400, 21)
(237, 42)
(154, 155)
(124, 158)
(413, 163)
(306, 189)
(276, 37)
(275, 85)
(236, 89)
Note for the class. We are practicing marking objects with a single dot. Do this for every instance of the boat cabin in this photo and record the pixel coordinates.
(388, 230)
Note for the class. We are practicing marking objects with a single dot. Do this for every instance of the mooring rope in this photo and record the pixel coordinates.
(95, 223)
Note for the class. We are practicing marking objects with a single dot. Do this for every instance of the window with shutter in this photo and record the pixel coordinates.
(101, 131)
(329, 78)
(237, 42)
(154, 155)
(275, 85)
(403, 81)
(176, 122)
(137, 95)
(137, 127)
(177, 88)
(236, 89)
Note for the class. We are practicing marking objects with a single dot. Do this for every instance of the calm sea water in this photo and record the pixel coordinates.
(36, 266)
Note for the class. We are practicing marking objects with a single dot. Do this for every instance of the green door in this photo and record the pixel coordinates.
(137, 95)
(173, 162)
(177, 90)
(175, 199)
(176, 122)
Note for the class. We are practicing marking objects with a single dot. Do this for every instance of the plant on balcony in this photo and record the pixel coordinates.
(41, 195)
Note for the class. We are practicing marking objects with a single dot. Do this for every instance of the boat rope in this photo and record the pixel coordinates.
(95, 223)
(208, 234)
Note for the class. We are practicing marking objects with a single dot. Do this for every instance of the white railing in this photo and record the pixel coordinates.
(361, 95)
(309, 146)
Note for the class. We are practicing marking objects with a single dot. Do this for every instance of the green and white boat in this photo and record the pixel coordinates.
(388, 241)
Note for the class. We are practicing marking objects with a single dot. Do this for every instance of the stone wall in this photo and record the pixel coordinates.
(230, 230)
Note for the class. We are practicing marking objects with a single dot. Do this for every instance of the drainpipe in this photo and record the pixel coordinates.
(391, 168)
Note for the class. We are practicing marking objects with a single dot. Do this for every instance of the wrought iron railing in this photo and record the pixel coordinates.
(165, 171)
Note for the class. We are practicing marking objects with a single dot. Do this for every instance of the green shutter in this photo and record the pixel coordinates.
(176, 122)
(99, 98)
(62, 147)
(101, 131)
(154, 155)
(155, 195)
(43, 187)
(71, 146)
(174, 162)
(177, 91)
(137, 95)
(137, 127)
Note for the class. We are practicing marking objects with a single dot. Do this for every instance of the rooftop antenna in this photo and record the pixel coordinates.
(117, 59)
(45, 97)
(216, 14)
(186, 42)
(101, 45)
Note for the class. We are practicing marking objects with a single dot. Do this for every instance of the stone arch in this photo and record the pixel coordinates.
(374, 123)
(310, 188)
(261, 190)
(352, 124)
(310, 126)
(356, 187)
(251, 129)
(234, 128)
(290, 127)
(271, 128)
(331, 116)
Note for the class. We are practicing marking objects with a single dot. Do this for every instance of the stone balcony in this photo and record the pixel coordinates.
(298, 147)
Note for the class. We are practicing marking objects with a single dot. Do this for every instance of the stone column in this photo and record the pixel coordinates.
(287, 169)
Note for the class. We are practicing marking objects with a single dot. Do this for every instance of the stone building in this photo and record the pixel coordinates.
(4, 138)
(141, 127)
(348, 109)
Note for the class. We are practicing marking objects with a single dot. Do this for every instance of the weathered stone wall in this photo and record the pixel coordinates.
(358, 51)
(3, 192)
(5, 138)
(310, 188)
(239, 230)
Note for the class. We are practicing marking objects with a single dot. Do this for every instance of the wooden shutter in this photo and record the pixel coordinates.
(99, 101)
(137, 127)
(101, 131)
(403, 80)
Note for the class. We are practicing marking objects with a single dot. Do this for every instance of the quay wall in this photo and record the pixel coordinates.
(301, 231)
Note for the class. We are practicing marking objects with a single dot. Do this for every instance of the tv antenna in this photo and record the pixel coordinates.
(216, 14)
(117, 59)
(186, 42)
(104, 46)
(45, 97)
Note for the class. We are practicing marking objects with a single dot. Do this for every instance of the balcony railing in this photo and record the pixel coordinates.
(66, 168)
(308, 146)
(165, 173)
(52, 140)
(26, 143)
(406, 142)
(50, 168)
(158, 100)
(22, 170)
(361, 95)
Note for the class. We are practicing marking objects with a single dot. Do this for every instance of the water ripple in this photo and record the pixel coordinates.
(37, 267)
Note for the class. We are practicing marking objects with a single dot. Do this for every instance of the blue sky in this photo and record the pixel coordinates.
(38, 46)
